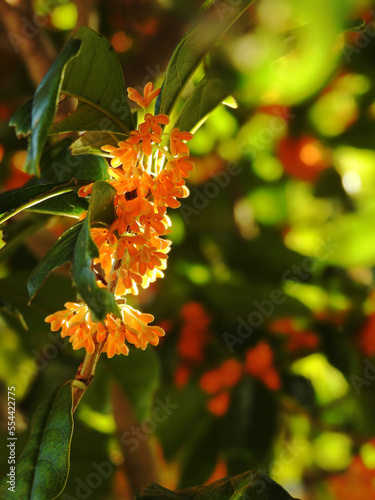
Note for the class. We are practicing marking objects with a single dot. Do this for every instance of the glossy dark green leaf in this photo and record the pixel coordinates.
(190, 52)
(62, 166)
(139, 378)
(208, 94)
(95, 78)
(249, 485)
(45, 103)
(155, 492)
(15, 201)
(15, 234)
(59, 254)
(100, 300)
(43, 467)
(21, 120)
(68, 205)
(92, 142)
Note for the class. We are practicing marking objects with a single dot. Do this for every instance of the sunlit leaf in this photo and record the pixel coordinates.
(59, 254)
(14, 202)
(190, 52)
(92, 142)
(208, 94)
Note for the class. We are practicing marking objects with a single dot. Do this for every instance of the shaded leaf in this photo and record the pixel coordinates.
(249, 485)
(21, 120)
(18, 231)
(100, 300)
(91, 143)
(190, 52)
(43, 467)
(62, 166)
(17, 200)
(68, 205)
(61, 252)
(44, 105)
(95, 78)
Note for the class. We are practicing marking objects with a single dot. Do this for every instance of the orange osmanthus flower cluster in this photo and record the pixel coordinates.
(148, 171)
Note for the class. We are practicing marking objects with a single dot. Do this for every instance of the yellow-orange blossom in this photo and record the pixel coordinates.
(148, 178)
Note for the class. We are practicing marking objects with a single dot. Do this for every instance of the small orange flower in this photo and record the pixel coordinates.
(149, 95)
(132, 253)
(176, 144)
(153, 123)
(132, 327)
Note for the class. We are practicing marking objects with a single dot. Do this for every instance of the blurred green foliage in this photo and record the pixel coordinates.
(281, 200)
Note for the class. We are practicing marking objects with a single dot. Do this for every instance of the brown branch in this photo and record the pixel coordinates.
(85, 13)
(139, 464)
(25, 35)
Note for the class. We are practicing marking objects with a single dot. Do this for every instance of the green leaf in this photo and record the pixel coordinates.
(91, 143)
(43, 467)
(95, 78)
(44, 105)
(9, 309)
(61, 252)
(17, 200)
(62, 166)
(138, 377)
(354, 25)
(155, 492)
(100, 300)
(21, 119)
(249, 485)
(190, 52)
(208, 94)
(101, 203)
(68, 205)
(16, 233)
